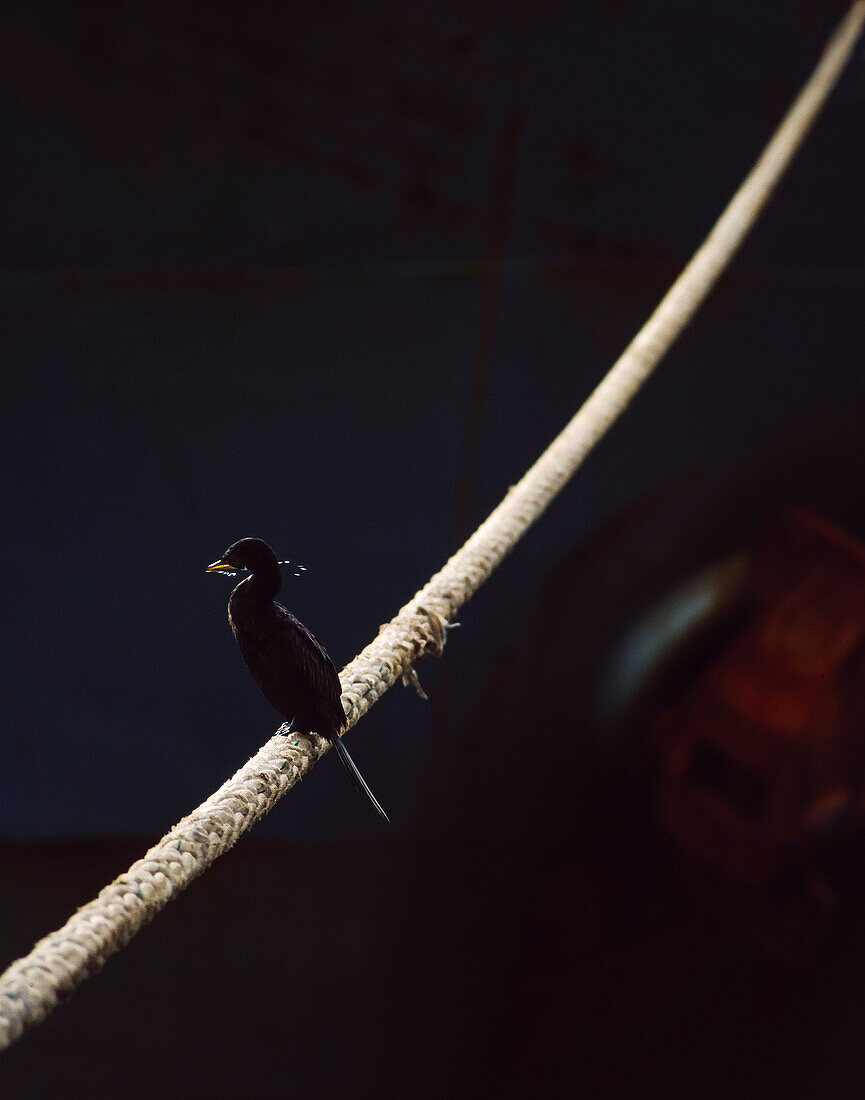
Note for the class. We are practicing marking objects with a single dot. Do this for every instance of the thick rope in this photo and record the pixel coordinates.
(33, 985)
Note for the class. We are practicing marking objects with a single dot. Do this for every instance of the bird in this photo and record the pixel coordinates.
(288, 663)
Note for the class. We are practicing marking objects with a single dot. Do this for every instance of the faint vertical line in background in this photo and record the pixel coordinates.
(505, 160)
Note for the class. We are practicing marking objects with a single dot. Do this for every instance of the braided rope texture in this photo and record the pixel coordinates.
(33, 985)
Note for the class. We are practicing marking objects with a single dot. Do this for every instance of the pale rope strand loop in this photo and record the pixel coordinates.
(32, 986)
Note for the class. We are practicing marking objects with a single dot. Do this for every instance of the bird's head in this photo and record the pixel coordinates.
(252, 554)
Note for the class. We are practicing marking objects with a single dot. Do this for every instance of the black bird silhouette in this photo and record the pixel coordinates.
(289, 664)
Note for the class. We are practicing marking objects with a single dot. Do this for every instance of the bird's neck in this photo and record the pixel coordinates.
(261, 586)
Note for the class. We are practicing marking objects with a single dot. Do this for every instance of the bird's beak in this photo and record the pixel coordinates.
(217, 566)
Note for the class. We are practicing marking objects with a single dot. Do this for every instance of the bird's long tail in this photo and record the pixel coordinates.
(354, 775)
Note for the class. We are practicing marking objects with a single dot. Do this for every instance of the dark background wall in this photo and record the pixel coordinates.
(334, 275)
